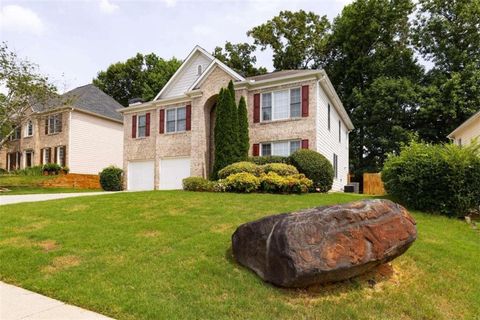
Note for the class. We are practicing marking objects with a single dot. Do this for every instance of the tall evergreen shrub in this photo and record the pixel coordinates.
(243, 141)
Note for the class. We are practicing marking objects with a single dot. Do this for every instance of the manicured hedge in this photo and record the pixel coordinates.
(274, 183)
(442, 179)
(238, 167)
(111, 179)
(197, 184)
(242, 182)
(315, 167)
(281, 169)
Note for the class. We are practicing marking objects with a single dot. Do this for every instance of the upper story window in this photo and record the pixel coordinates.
(29, 129)
(280, 148)
(17, 132)
(176, 119)
(282, 104)
(142, 126)
(199, 69)
(53, 124)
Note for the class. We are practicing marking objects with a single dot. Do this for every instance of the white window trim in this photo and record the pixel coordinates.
(138, 126)
(273, 104)
(176, 120)
(26, 135)
(278, 141)
(44, 157)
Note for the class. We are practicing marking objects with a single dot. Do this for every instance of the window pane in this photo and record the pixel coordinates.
(294, 146)
(181, 113)
(266, 106)
(266, 149)
(171, 126)
(142, 124)
(181, 125)
(295, 103)
(281, 149)
(281, 108)
(170, 114)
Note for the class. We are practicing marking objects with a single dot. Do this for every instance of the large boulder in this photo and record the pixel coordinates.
(324, 244)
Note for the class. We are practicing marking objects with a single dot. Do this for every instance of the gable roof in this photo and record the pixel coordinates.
(213, 62)
(88, 98)
(464, 124)
(281, 74)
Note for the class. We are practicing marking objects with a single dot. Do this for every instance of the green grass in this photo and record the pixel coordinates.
(17, 184)
(166, 255)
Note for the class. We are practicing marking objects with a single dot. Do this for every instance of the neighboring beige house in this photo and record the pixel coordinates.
(171, 137)
(467, 131)
(85, 133)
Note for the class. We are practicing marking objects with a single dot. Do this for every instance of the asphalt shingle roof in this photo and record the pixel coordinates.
(282, 73)
(91, 99)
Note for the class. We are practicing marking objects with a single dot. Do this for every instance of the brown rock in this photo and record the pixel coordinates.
(324, 244)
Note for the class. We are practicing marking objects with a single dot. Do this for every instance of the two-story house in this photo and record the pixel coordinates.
(81, 130)
(171, 137)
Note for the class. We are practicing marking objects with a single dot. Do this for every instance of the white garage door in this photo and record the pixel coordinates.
(172, 172)
(141, 175)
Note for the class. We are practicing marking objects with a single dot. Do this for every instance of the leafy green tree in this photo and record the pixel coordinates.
(142, 76)
(370, 40)
(240, 57)
(25, 88)
(448, 35)
(298, 39)
(243, 139)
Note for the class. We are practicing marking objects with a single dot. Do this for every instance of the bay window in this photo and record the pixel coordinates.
(283, 104)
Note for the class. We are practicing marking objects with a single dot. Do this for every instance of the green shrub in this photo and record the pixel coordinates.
(3, 171)
(32, 171)
(241, 182)
(315, 167)
(239, 167)
(65, 170)
(281, 169)
(441, 179)
(51, 168)
(197, 184)
(268, 159)
(274, 183)
(111, 179)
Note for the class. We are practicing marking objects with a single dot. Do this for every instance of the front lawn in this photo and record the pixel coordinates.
(166, 255)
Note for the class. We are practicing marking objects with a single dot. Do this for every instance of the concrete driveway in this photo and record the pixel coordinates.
(17, 303)
(9, 199)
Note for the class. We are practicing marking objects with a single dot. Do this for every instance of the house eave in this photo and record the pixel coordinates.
(463, 125)
(158, 103)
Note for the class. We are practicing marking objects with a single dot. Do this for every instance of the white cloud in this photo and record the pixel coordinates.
(202, 30)
(107, 6)
(19, 19)
(170, 3)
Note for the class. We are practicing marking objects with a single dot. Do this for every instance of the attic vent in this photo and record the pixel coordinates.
(199, 70)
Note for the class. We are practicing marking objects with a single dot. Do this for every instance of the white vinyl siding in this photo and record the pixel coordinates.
(328, 140)
(95, 143)
(280, 105)
(280, 148)
(187, 77)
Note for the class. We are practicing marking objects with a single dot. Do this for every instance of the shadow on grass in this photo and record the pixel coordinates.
(373, 279)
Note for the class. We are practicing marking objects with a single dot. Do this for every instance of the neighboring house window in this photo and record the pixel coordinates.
(339, 131)
(28, 158)
(280, 148)
(176, 119)
(142, 125)
(17, 132)
(199, 69)
(29, 129)
(60, 151)
(335, 165)
(46, 155)
(13, 161)
(54, 123)
(282, 104)
(328, 117)
(460, 142)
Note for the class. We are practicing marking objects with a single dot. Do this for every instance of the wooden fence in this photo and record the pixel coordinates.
(373, 184)
(73, 180)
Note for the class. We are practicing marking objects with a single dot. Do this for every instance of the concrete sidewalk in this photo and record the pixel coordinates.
(17, 303)
(9, 199)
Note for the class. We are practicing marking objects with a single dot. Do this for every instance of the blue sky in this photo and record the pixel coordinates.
(72, 40)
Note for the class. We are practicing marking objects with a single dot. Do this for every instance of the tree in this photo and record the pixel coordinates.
(447, 33)
(243, 139)
(26, 88)
(240, 57)
(298, 39)
(142, 76)
(370, 40)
